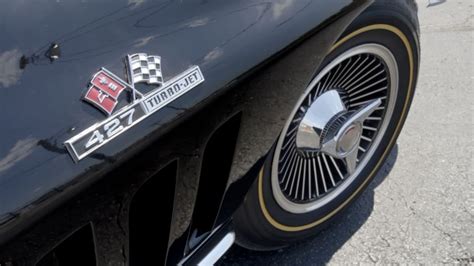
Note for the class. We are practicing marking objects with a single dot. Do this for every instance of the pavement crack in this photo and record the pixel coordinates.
(386, 241)
(439, 229)
(370, 256)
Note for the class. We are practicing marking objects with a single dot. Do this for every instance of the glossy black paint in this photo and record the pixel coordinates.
(230, 40)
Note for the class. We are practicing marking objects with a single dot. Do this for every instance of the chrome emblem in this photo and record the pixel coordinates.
(105, 89)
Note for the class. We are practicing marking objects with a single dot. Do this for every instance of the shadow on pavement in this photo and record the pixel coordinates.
(320, 249)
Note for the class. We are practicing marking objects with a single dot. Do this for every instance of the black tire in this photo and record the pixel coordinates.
(260, 222)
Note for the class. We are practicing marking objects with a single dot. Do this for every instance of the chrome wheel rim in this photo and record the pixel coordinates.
(306, 176)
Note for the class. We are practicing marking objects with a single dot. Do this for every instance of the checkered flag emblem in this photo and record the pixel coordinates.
(146, 68)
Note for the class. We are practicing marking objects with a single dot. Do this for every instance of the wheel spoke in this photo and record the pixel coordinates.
(355, 82)
(350, 71)
(303, 177)
(374, 118)
(352, 92)
(288, 151)
(294, 174)
(336, 75)
(337, 167)
(369, 128)
(352, 76)
(317, 92)
(343, 72)
(328, 170)
(365, 102)
(315, 177)
(289, 168)
(323, 87)
(368, 94)
(299, 177)
(308, 173)
(292, 131)
(320, 166)
(350, 88)
(289, 142)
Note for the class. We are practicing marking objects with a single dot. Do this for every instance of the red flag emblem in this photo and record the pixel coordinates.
(104, 91)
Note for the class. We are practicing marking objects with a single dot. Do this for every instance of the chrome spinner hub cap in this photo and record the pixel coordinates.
(334, 128)
(330, 128)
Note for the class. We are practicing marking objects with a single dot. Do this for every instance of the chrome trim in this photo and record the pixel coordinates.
(139, 103)
(344, 146)
(325, 107)
(219, 250)
(204, 242)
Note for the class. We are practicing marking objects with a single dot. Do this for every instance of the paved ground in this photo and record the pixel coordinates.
(422, 211)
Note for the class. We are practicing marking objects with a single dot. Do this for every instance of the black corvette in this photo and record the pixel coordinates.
(140, 132)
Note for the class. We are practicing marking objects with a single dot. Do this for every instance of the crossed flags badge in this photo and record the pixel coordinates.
(105, 87)
(105, 92)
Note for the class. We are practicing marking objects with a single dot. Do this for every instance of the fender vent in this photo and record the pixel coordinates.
(77, 249)
(150, 218)
(216, 164)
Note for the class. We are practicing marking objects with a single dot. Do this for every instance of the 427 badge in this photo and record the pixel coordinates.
(105, 92)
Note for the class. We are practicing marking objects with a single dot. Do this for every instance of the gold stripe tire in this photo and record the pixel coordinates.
(260, 223)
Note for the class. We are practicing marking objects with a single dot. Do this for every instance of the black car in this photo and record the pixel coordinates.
(143, 132)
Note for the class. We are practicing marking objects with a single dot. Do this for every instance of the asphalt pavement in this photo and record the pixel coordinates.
(420, 208)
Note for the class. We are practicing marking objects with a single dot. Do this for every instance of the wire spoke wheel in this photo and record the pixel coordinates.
(339, 133)
(335, 128)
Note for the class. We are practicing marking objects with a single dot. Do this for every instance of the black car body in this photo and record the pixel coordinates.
(166, 189)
